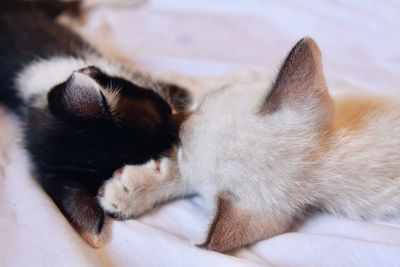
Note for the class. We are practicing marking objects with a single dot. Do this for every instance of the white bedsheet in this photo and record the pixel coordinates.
(360, 42)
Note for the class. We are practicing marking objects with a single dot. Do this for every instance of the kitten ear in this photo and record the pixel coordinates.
(235, 226)
(300, 82)
(79, 98)
(87, 217)
(77, 200)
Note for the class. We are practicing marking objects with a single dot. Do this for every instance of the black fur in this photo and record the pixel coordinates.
(73, 152)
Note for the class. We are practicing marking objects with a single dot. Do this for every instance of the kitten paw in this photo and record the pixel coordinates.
(132, 190)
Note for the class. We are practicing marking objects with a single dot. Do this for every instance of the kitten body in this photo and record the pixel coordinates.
(83, 115)
(264, 154)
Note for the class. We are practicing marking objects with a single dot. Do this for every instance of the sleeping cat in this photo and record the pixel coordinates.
(265, 153)
(83, 115)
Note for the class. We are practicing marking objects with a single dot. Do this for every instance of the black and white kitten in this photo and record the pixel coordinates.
(84, 116)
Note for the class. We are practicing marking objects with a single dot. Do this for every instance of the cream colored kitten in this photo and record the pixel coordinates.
(263, 154)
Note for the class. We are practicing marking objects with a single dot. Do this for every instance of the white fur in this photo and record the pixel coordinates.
(140, 187)
(262, 158)
(38, 77)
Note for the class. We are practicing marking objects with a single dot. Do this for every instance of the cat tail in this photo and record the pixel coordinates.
(77, 200)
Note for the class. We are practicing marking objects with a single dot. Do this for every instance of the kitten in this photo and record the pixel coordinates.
(84, 116)
(264, 154)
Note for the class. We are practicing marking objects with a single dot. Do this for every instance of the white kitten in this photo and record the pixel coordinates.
(266, 153)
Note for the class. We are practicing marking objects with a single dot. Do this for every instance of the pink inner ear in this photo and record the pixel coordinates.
(300, 79)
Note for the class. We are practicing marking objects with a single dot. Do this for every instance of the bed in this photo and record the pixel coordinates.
(360, 43)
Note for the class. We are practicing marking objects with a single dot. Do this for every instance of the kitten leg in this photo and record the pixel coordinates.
(237, 225)
(138, 188)
(77, 201)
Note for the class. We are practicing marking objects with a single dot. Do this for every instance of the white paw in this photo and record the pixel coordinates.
(133, 189)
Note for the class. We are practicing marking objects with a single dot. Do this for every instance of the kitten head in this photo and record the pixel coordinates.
(251, 146)
(97, 123)
(91, 125)
(246, 133)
